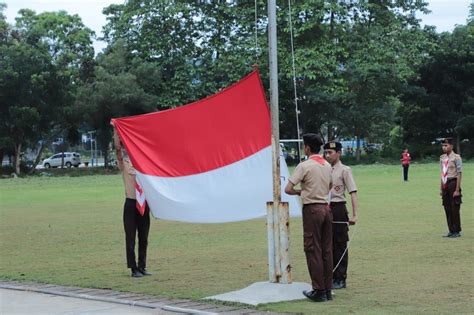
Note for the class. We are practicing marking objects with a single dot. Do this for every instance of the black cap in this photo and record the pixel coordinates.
(447, 140)
(333, 145)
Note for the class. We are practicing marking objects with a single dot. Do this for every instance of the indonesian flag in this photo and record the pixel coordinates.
(209, 161)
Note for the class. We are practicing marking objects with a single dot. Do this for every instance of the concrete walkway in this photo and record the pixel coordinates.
(24, 302)
(36, 298)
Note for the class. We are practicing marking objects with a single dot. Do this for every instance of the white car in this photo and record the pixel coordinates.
(70, 159)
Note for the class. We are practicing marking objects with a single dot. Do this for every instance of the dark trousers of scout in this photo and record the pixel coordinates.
(133, 222)
(340, 237)
(405, 171)
(452, 206)
(317, 228)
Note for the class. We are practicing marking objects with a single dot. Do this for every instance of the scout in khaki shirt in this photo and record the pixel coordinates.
(450, 191)
(134, 223)
(342, 181)
(314, 175)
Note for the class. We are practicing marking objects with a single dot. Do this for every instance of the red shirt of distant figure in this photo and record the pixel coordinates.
(406, 158)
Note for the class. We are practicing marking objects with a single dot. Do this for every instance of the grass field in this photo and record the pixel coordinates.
(68, 231)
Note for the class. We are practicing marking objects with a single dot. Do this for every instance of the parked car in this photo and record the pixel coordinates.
(70, 159)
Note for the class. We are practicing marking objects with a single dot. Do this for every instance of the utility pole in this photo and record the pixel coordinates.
(92, 148)
(277, 211)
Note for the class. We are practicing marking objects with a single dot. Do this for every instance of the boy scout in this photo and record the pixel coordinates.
(314, 174)
(450, 191)
(342, 180)
(133, 222)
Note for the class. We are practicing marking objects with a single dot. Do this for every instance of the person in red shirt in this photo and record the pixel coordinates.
(406, 158)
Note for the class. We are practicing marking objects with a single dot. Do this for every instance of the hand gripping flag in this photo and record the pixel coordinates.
(209, 161)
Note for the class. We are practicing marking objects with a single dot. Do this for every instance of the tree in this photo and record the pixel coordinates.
(385, 44)
(44, 57)
(170, 53)
(121, 87)
(349, 71)
(470, 18)
(440, 102)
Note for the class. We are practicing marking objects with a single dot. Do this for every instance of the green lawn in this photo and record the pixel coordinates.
(68, 231)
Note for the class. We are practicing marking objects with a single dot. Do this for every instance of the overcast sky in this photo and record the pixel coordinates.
(445, 13)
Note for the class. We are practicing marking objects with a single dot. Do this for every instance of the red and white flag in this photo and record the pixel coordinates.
(209, 161)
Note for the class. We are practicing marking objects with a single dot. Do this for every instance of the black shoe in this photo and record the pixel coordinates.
(341, 284)
(316, 295)
(136, 273)
(450, 234)
(144, 272)
(329, 295)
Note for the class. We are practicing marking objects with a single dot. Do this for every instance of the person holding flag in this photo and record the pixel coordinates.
(342, 181)
(450, 191)
(136, 215)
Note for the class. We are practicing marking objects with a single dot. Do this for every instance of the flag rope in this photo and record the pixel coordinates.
(347, 247)
(297, 111)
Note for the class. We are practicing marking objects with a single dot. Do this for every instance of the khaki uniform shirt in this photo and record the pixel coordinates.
(314, 174)
(454, 164)
(128, 175)
(342, 180)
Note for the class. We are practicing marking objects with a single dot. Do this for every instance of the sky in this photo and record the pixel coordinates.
(445, 13)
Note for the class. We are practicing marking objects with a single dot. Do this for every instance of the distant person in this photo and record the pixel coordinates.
(406, 158)
(342, 181)
(134, 223)
(450, 191)
(314, 174)
(348, 150)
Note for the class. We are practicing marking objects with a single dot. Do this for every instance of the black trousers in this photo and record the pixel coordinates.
(134, 223)
(452, 206)
(340, 237)
(405, 171)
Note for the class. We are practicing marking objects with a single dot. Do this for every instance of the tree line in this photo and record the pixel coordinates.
(364, 69)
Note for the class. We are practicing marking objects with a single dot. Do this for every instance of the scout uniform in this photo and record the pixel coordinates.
(314, 174)
(342, 181)
(451, 167)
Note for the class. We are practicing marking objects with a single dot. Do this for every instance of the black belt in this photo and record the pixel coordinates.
(452, 178)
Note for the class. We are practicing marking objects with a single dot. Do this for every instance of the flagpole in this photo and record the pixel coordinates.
(278, 216)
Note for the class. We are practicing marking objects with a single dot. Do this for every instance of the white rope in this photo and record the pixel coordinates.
(297, 111)
(256, 32)
(347, 247)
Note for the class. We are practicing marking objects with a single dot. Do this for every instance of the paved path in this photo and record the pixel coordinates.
(24, 302)
(35, 298)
